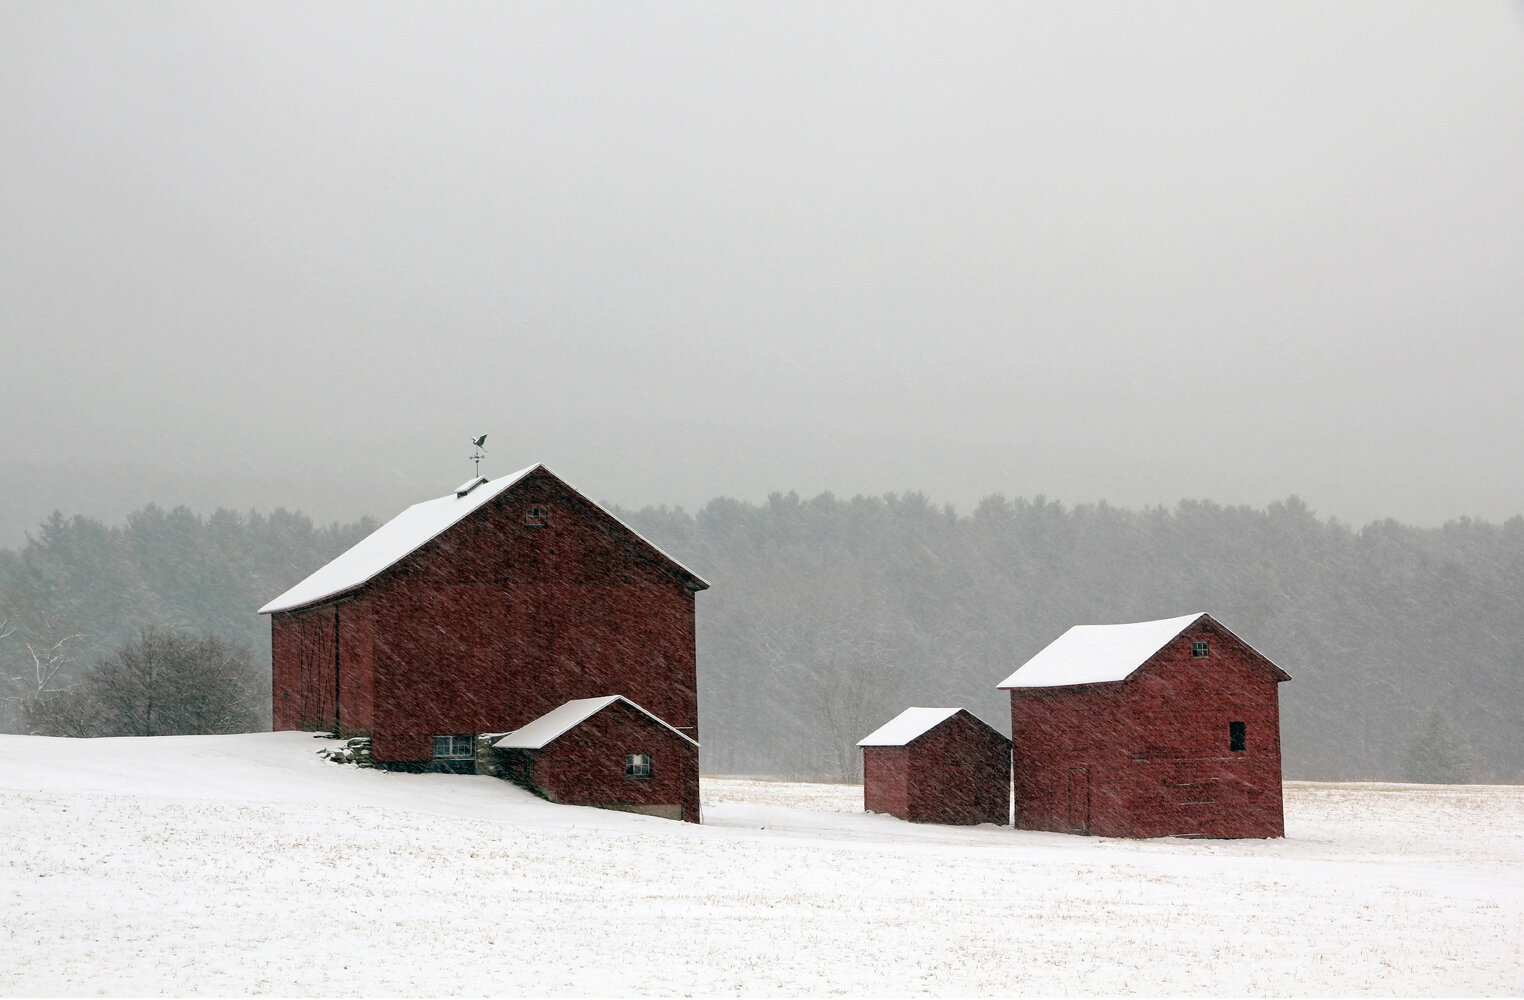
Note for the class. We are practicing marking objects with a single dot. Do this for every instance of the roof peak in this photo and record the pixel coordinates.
(415, 527)
(1098, 654)
(539, 733)
(911, 724)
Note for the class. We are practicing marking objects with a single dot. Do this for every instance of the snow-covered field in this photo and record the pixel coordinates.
(246, 864)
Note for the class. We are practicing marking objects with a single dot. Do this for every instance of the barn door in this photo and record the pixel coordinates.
(1079, 799)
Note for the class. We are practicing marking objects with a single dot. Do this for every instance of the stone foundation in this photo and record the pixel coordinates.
(355, 750)
(486, 758)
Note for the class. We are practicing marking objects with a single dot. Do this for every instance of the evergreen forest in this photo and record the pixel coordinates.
(827, 616)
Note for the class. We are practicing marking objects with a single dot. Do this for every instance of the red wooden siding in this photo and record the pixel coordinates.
(585, 766)
(322, 656)
(886, 780)
(1150, 756)
(957, 772)
(492, 624)
(960, 773)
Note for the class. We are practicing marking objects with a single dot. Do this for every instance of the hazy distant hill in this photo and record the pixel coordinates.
(30, 491)
(828, 616)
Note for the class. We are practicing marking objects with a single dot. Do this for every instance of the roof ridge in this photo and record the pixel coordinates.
(414, 527)
(910, 725)
(1099, 654)
(571, 720)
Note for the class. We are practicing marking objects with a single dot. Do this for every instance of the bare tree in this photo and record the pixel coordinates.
(9, 706)
(161, 683)
(43, 668)
(48, 661)
(850, 702)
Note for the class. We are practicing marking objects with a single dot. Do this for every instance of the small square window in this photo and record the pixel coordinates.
(637, 765)
(535, 517)
(1236, 735)
(454, 747)
(1200, 649)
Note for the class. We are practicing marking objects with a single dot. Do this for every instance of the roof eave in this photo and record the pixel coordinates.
(693, 579)
(317, 602)
(613, 699)
(1080, 684)
(1280, 675)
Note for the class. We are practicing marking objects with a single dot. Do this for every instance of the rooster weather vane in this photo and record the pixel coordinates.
(480, 453)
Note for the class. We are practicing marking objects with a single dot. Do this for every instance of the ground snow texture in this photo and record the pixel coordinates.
(247, 864)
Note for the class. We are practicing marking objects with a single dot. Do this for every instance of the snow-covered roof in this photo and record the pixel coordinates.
(906, 726)
(1097, 654)
(405, 534)
(554, 723)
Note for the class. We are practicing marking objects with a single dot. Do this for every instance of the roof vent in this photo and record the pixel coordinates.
(468, 486)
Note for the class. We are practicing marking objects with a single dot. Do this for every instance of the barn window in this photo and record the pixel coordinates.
(535, 517)
(454, 747)
(1200, 650)
(637, 765)
(1235, 736)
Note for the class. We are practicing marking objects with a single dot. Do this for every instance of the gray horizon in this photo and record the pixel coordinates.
(1136, 253)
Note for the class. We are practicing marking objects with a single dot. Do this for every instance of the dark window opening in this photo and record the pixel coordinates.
(535, 517)
(1200, 649)
(1235, 736)
(454, 747)
(637, 765)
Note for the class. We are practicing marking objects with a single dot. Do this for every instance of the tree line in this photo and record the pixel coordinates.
(827, 615)
(163, 606)
(160, 683)
(830, 615)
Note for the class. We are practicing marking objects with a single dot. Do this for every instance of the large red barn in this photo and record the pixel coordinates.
(479, 612)
(1148, 729)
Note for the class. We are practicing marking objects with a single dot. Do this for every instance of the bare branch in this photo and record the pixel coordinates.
(47, 661)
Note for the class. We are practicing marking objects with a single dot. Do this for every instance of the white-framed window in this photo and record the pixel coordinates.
(637, 765)
(1201, 649)
(454, 747)
(535, 516)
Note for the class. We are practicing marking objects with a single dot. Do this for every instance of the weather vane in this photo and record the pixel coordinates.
(479, 454)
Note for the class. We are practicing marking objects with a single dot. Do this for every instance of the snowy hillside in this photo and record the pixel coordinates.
(246, 864)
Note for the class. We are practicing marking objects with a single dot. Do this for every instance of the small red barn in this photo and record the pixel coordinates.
(1149, 729)
(479, 612)
(606, 752)
(937, 765)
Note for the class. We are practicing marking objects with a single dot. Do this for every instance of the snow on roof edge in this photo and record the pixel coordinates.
(1098, 654)
(911, 724)
(394, 541)
(399, 538)
(541, 732)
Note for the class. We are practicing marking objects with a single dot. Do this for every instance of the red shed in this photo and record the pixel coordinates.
(937, 765)
(479, 612)
(1149, 729)
(607, 752)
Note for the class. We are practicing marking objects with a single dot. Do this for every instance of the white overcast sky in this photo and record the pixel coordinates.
(1136, 251)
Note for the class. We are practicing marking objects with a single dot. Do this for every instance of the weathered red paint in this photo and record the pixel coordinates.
(585, 765)
(1150, 756)
(957, 772)
(492, 624)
